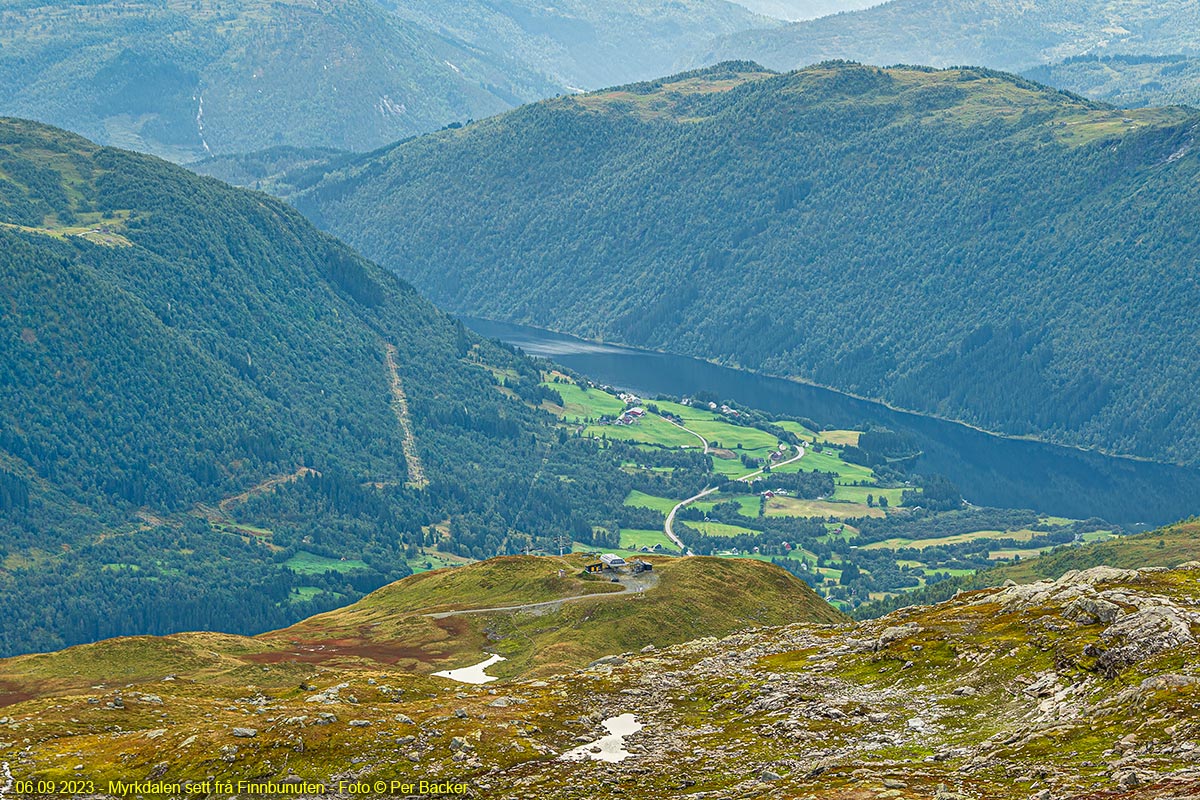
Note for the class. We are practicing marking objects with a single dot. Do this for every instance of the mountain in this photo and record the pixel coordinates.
(1075, 688)
(796, 10)
(185, 80)
(214, 416)
(962, 242)
(991, 33)
(585, 44)
(545, 615)
(1126, 80)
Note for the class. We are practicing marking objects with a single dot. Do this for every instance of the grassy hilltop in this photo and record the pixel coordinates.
(543, 624)
(1082, 687)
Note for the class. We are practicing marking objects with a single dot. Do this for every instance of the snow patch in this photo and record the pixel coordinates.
(389, 107)
(609, 748)
(200, 123)
(473, 674)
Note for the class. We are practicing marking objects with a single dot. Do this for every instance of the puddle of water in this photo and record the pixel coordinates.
(472, 674)
(608, 748)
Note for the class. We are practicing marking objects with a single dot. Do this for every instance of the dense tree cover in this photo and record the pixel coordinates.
(161, 580)
(1126, 80)
(182, 416)
(797, 484)
(959, 242)
(994, 33)
(925, 524)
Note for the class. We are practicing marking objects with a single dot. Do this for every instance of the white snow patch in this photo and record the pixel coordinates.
(200, 123)
(387, 106)
(609, 748)
(473, 674)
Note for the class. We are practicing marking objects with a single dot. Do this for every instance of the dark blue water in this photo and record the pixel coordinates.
(990, 470)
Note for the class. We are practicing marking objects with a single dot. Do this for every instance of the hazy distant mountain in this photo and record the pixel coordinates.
(962, 242)
(587, 44)
(992, 33)
(796, 10)
(188, 79)
(184, 79)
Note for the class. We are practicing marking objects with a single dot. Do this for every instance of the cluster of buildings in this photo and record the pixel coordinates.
(628, 416)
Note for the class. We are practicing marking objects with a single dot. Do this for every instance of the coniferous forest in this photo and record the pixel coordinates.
(962, 242)
(195, 389)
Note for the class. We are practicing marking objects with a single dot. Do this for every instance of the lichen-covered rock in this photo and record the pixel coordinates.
(1091, 611)
(898, 633)
(1135, 637)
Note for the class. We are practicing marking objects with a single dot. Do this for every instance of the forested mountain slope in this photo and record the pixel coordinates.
(960, 242)
(993, 33)
(185, 79)
(214, 416)
(1127, 80)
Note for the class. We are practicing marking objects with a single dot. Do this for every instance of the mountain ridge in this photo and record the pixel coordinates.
(993, 34)
(216, 416)
(187, 80)
(739, 124)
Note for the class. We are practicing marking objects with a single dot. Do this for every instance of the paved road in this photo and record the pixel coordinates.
(669, 525)
(630, 584)
(703, 441)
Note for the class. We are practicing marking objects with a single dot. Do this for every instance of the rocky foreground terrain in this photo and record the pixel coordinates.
(1083, 687)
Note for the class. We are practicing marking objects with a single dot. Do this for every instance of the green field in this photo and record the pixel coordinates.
(829, 460)
(715, 428)
(633, 539)
(305, 563)
(302, 594)
(920, 544)
(717, 528)
(650, 429)
(643, 500)
(581, 404)
(858, 494)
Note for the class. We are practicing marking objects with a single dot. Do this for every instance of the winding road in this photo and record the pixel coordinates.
(703, 441)
(669, 525)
